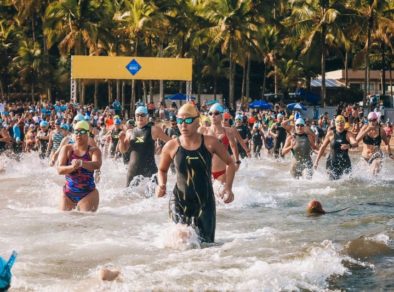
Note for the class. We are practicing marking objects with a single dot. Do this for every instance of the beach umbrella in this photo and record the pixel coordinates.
(260, 104)
(296, 106)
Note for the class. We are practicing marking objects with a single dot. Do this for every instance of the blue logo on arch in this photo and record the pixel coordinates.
(133, 67)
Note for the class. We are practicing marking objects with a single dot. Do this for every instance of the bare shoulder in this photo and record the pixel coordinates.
(170, 147)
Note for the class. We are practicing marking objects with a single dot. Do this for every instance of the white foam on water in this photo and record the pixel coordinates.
(381, 238)
(178, 237)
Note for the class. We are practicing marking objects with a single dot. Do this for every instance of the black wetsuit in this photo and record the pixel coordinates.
(244, 132)
(378, 154)
(257, 139)
(338, 162)
(193, 200)
(142, 154)
(280, 140)
(114, 138)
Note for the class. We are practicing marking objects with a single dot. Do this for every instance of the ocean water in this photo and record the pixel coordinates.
(264, 240)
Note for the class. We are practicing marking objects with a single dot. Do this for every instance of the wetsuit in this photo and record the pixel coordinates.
(43, 144)
(142, 154)
(257, 139)
(193, 200)
(378, 154)
(301, 156)
(280, 140)
(244, 132)
(338, 162)
(80, 182)
(114, 138)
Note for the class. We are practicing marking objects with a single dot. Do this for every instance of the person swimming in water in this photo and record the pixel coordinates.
(315, 208)
(193, 201)
(78, 162)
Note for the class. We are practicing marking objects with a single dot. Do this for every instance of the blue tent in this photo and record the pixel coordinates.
(178, 96)
(307, 96)
(260, 104)
(296, 106)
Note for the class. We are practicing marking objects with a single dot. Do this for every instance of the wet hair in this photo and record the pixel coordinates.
(315, 208)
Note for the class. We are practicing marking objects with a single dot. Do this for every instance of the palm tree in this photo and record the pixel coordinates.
(233, 24)
(75, 26)
(317, 23)
(214, 67)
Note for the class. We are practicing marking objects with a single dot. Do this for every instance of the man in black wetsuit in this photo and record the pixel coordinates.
(141, 140)
(192, 201)
(245, 134)
(279, 133)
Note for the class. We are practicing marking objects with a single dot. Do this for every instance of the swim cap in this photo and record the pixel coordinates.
(315, 207)
(86, 117)
(5, 271)
(279, 116)
(141, 110)
(300, 121)
(188, 109)
(172, 118)
(217, 107)
(340, 119)
(372, 116)
(227, 116)
(78, 118)
(238, 117)
(82, 125)
(44, 124)
(118, 121)
(65, 127)
(31, 126)
(256, 125)
(58, 122)
(131, 122)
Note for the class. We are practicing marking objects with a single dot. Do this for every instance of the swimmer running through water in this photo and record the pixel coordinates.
(192, 201)
(78, 162)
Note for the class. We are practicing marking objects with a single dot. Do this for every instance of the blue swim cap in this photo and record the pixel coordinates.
(79, 117)
(217, 107)
(5, 271)
(65, 127)
(141, 110)
(87, 117)
(44, 124)
(118, 121)
(238, 117)
(58, 122)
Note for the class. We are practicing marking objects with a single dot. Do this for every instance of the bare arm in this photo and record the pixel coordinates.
(96, 161)
(50, 144)
(157, 133)
(386, 141)
(62, 167)
(289, 144)
(124, 141)
(233, 143)
(364, 130)
(323, 148)
(286, 124)
(164, 165)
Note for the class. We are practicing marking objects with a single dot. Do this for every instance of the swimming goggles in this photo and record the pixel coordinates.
(187, 121)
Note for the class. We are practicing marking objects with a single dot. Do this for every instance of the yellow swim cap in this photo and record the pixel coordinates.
(340, 119)
(188, 109)
(82, 125)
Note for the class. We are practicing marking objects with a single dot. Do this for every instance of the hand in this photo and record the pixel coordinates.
(160, 191)
(293, 143)
(76, 163)
(315, 165)
(227, 195)
(52, 163)
(345, 146)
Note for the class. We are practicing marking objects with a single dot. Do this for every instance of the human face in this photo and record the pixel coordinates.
(340, 125)
(187, 125)
(300, 128)
(81, 135)
(372, 121)
(141, 119)
(216, 117)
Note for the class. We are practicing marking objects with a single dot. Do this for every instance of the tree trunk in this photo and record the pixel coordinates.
(2, 89)
(199, 92)
(32, 92)
(215, 85)
(231, 80)
(151, 91)
(346, 69)
(83, 93)
(118, 89)
(95, 99)
(264, 81)
(123, 98)
(243, 80)
(383, 69)
(110, 96)
(145, 91)
(161, 86)
(248, 78)
(323, 65)
(132, 99)
(367, 73)
(391, 80)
